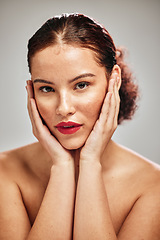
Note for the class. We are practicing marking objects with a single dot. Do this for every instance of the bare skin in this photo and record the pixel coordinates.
(127, 180)
(99, 191)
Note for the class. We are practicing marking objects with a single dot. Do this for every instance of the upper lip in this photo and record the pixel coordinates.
(68, 124)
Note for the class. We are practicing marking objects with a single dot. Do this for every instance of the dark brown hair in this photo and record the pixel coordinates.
(81, 30)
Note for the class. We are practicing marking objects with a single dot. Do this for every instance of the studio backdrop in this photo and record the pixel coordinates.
(133, 24)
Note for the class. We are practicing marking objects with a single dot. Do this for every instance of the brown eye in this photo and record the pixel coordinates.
(46, 89)
(82, 85)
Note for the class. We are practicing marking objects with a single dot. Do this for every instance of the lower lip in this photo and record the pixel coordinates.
(68, 130)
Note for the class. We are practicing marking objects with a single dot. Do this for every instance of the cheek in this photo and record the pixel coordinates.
(46, 109)
(92, 106)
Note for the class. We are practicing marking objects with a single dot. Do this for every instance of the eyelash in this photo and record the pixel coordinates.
(42, 89)
(47, 89)
(82, 83)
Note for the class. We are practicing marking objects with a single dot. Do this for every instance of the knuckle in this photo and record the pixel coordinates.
(110, 127)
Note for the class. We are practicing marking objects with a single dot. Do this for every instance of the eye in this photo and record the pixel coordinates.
(46, 89)
(82, 85)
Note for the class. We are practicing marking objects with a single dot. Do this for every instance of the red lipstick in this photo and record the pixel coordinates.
(68, 127)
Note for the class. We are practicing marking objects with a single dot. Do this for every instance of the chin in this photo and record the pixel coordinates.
(72, 145)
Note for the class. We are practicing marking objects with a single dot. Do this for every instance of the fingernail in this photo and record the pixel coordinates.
(28, 82)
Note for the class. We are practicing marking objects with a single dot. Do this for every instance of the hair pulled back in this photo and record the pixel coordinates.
(80, 30)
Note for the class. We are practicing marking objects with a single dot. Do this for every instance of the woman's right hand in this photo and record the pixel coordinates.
(58, 154)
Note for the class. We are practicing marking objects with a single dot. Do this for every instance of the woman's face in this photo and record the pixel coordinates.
(69, 88)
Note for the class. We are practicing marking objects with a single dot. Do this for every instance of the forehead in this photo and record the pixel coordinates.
(63, 53)
(64, 58)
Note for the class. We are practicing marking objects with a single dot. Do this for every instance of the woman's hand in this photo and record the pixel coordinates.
(105, 125)
(41, 132)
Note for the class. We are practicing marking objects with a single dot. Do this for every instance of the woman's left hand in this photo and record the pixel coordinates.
(104, 126)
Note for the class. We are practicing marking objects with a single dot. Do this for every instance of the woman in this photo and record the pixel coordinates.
(75, 182)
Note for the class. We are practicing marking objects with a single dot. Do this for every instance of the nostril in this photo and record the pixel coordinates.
(65, 104)
(65, 109)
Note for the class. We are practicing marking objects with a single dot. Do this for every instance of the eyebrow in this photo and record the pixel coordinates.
(84, 75)
(42, 81)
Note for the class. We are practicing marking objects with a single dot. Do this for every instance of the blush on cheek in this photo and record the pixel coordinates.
(97, 108)
(43, 109)
(93, 107)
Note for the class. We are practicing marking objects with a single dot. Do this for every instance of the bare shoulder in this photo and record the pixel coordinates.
(141, 184)
(21, 163)
(135, 182)
(11, 161)
(24, 174)
(25, 165)
(137, 168)
(130, 169)
(139, 162)
(13, 215)
(8, 170)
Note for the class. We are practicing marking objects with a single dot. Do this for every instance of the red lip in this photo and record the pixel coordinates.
(68, 127)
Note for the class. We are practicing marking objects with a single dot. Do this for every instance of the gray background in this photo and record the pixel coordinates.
(134, 24)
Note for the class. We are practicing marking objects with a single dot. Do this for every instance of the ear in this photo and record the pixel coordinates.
(116, 74)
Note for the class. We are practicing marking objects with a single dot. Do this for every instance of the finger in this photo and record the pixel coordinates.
(115, 106)
(30, 89)
(105, 109)
(30, 92)
(111, 85)
(31, 109)
(28, 101)
(35, 117)
(112, 111)
(117, 101)
(106, 104)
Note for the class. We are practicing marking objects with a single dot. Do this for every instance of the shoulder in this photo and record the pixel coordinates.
(25, 165)
(138, 163)
(139, 169)
(132, 169)
(8, 161)
(8, 171)
(12, 211)
(16, 160)
(142, 183)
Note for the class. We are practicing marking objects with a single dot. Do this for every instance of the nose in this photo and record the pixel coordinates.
(65, 105)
